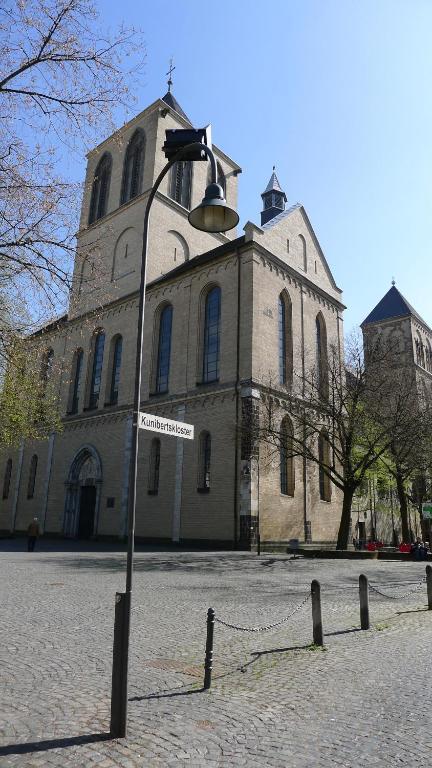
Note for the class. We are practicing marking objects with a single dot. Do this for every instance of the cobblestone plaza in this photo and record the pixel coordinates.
(275, 700)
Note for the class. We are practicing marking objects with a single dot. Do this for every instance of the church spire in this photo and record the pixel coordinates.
(274, 199)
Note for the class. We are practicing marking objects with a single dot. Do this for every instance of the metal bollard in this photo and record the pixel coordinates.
(318, 636)
(429, 586)
(118, 725)
(208, 662)
(364, 601)
(258, 544)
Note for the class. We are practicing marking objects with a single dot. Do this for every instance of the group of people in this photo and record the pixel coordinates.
(418, 549)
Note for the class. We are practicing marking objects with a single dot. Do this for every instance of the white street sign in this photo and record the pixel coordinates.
(166, 426)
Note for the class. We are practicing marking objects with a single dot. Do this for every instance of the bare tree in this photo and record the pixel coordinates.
(62, 80)
(343, 428)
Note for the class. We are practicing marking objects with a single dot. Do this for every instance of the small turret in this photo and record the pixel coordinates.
(274, 199)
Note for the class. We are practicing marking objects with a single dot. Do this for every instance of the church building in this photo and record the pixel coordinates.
(224, 313)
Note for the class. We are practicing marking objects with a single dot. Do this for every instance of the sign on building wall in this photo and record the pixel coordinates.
(427, 510)
(165, 426)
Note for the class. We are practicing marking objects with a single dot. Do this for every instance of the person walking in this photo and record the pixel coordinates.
(33, 531)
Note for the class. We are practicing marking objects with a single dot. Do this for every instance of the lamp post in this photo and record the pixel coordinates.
(212, 215)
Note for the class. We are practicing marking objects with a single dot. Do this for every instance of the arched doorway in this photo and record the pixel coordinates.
(83, 494)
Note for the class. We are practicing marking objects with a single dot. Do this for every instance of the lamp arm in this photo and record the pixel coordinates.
(182, 154)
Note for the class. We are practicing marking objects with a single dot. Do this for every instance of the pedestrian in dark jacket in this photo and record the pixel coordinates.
(33, 531)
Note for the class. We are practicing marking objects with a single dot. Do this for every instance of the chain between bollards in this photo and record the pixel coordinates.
(208, 662)
(318, 636)
(364, 601)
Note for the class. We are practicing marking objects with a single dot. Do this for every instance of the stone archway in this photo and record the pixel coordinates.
(83, 491)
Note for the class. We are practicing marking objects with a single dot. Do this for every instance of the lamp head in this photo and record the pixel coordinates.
(213, 213)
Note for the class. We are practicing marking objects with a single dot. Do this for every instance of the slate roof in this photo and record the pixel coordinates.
(393, 304)
(198, 261)
(273, 185)
(173, 103)
(276, 219)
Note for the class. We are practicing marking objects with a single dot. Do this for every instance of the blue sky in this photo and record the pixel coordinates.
(337, 94)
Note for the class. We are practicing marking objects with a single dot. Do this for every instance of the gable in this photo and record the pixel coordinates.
(291, 238)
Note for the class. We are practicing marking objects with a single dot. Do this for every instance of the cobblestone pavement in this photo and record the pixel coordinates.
(275, 701)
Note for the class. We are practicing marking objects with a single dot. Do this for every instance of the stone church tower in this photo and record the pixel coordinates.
(221, 311)
(407, 334)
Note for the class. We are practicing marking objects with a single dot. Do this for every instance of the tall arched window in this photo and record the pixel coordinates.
(428, 356)
(77, 366)
(116, 355)
(204, 461)
(324, 464)
(100, 188)
(321, 356)
(154, 465)
(164, 349)
(32, 476)
(7, 479)
(303, 252)
(287, 476)
(133, 167)
(47, 366)
(97, 362)
(420, 351)
(211, 336)
(285, 339)
(180, 184)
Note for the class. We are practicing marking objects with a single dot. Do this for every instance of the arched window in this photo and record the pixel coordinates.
(324, 464)
(96, 377)
(47, 365)
(420, 355)
(287, 476)
(180, 185)
(154, 465)
(303, 252)
(100, 189)
(164, 349)
(7, 479)
(32, 476)
(321, 356)
(204, 461)
(77, 366)
(133, 167)
(211, 336)
(428, 356)
(116, 354)
(285, 339)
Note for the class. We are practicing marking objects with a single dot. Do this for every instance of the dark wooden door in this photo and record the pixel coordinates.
(87, 511)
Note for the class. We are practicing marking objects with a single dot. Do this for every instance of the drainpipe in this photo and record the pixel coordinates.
(305, 520)
(237, 405)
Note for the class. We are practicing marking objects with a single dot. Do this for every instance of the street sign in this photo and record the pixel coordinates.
(165, 426)
(427, 510)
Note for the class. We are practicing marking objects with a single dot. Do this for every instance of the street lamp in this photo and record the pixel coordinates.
(212, 215)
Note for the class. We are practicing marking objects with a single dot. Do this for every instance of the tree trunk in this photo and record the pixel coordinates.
(403, 507)
(344, 528)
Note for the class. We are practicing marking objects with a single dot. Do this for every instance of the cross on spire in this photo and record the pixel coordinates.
(169, 73)
(393, 281)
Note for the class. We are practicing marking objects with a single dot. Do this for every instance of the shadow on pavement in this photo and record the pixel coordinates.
(343, 632)
(43, 746)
